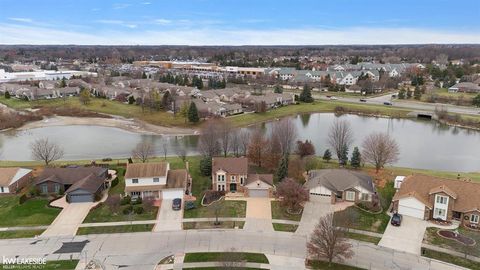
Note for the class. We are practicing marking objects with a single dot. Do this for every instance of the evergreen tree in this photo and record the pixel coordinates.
(7, 95)
(343, 158)
(356, 159)
(327, 156)
(206, 166)
(417, 94)
(402, 93)
(63, 83)
(144, 75)
(278, 89)
(131, 100)
(282, 171)
(193, 113)
(409, 93)
(476, 100)
(306, 95)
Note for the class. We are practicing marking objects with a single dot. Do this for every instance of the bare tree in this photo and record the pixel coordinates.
(209, 139)
(165, 149)
(143, 151)
(46, 151)
(181, 152)
(287, 134)
(256, 147)
(244, 141)
(340, 136)
(225, 134)
(379, 149)
(235, 144)
(328, 242)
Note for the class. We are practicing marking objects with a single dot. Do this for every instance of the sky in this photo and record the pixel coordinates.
(232, 22)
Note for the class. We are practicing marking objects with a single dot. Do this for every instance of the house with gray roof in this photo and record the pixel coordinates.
(340, 185)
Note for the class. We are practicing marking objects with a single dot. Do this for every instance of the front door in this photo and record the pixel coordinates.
(233, 187)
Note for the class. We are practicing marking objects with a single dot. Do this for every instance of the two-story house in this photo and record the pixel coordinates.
(156, 180)
(231, 174)
(428, 197)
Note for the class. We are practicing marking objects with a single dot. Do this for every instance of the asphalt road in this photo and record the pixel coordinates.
(145, 250)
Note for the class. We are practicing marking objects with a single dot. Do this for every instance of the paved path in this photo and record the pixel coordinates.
(212, 265)
(144, 250)
(259, 214)
(407, 237)
(312, 211)
(167, 218)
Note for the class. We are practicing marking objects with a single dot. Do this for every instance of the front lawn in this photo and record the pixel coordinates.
(225, 256)
(33, 212)
(285, 227)
(115, 229)
(279, 212)
(226, 209)
(20, 234)
(322, 265)
(451, 259)
(211, 225)
(50, 265)
(432, 238)
(363, 237)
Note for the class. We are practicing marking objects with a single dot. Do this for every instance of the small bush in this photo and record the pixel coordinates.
(137, 200)
(127, 210)
(22, 199)
(190, 205)
(114, 182)
(106, 159)
(139, 210)
(126, 200)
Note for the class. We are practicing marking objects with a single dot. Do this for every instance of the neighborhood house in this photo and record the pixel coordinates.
(13, 180)
(80, 184)
(156, 180)
(340, 185)
(426, 197)
(231, 175)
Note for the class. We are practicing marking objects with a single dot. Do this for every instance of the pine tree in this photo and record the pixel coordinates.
(278, 89)
(343, 158)
(7, 95)
(401, 93)
(282, 171)
(193, 113)
(306, 95)
(417, 94)
(327, 156)
(131, 100)
(356, 159)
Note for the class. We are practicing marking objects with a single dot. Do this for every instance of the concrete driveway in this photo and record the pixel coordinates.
(259, 214)
(68, 221)
(167, 218)
(312, 212)
(407, 237)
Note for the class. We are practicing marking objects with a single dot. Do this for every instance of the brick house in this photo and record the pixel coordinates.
(428, 197)
(13, 180)
(231, 175)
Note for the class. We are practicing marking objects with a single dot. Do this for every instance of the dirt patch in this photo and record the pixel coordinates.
(376, 225)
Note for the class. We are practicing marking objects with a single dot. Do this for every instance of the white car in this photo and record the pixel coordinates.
(333, 98)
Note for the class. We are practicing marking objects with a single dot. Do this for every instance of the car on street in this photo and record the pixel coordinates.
(363, 100)
(177, 204)
(388, 103)
(333, 98)
(396, 219)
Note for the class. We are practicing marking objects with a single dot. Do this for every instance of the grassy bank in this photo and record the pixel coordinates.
(279, 212)
(285, 227)
(225, 256)
(451, 259)
(20, 234)
(115, 229)
(33, 212)
(322, 265)
(211, 225)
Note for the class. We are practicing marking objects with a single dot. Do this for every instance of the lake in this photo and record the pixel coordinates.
(423, 144)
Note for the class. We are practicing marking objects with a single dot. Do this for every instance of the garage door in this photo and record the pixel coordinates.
(411, 207)
(258, 192)
(79, 198)
(172, 194)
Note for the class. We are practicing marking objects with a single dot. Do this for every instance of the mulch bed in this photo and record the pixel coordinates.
(457, 237)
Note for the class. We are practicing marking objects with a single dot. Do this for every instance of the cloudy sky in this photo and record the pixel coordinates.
(232, 22)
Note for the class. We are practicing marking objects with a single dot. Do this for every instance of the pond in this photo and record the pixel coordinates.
(423, 144)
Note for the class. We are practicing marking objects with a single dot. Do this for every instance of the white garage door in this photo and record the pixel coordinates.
(320, 191)
(258, 192)
(411, 207)
(172, 194)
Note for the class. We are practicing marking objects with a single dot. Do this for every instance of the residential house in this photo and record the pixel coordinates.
(231, 174)
(156, 180)
(80, 184)
(340, 185)
(427, 197)
(13, 180)
(467, 87)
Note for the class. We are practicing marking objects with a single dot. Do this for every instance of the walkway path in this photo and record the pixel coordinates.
(167, 218)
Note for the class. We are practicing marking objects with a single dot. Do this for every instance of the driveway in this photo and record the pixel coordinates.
(68, 221)
(259, 214)
(312, 212)
(167, 218)
(407, 237)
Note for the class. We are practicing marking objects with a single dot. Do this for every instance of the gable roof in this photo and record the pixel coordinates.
(466, 198)
(69, 175)
(230, 165)
(140, 170)
(9, 175)
(339, 179)
(90, 183)
(266, 178)
(177, 178)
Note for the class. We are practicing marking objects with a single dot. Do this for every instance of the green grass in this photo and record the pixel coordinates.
(227, 209)
(51, 265)
(115, 229)
(279, 212)
(20, 234)
(210, 225)
(363, 238)
(451, 259)
(285, 227)
(223, 268)
(33, 212)
(334, 266)
(222, 256)
(432, 238)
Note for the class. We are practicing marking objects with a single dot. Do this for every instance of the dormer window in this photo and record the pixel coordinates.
(441, 199)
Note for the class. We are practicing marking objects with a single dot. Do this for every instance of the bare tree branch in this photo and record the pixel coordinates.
(143, 151)
(380, 149)
(46, 151)
(340, 136)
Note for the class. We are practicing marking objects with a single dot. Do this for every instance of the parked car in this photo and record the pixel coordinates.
(396, 219)
(333, 98)
(363, 100)
(177, 204)
(388, 103)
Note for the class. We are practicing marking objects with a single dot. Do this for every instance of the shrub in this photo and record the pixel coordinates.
(22, 199)
(114, 182)
(127, 210)
(137, 200)
(189, 205)
(206, 166)
(126, 200)
(139, 210)
(107, 159)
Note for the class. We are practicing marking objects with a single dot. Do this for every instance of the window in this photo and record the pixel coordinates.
(365, 197)
(219, 188)
(135, 193)
(439, 212)
(241, 180)
(350, 196)
(134, 181)
(221, 178)
(44, 188)
(441, 199)
(156, 180)
(232, 178)
(474, 219)
(2, 190)
(57, 188)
